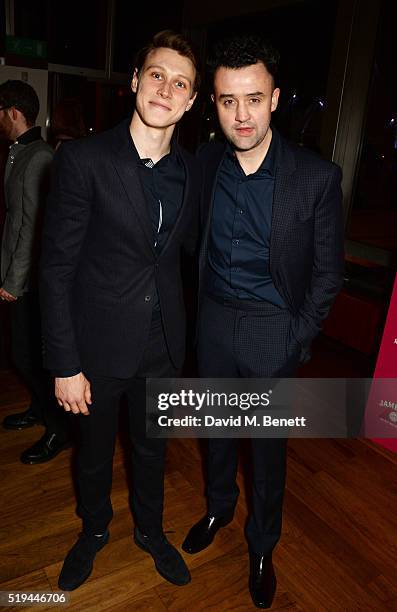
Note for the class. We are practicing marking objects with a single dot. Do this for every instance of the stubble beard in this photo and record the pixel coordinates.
(257, 143)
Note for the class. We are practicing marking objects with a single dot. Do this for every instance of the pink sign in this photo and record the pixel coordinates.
(381, 410)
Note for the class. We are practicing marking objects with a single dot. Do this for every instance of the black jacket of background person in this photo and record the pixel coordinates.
(307, 233)
(99, 266)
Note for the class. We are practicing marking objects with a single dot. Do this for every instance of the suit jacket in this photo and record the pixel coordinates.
(99, 266)
(26, 183)
(307, 233)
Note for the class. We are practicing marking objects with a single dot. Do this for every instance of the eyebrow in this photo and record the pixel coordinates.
(158, 67)
(249, 95)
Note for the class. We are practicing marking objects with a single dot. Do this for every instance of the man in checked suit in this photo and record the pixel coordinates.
(270, 267)
(122, 205)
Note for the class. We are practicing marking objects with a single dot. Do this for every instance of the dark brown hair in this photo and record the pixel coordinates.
(169, 39)
(21, 96)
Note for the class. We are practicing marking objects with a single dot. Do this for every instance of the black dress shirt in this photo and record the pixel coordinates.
(238, 257)
(163, 184)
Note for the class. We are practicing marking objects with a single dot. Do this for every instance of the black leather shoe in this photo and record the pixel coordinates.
(202, 533)
(21, 420)
(169, 563)
(44, 449)
(79, 561)
(262, 582)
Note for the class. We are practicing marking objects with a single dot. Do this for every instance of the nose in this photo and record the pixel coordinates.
(164, 90)
(242, 113)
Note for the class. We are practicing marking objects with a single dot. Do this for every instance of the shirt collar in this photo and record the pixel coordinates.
(171, 157)
(269, 163)
(34, 133)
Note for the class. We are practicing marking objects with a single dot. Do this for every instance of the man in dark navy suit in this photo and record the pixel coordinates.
(271, 264)
(122, 205)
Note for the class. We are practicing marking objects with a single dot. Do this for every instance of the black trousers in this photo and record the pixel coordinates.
(98, 434)
(27, 357)
(252, 340)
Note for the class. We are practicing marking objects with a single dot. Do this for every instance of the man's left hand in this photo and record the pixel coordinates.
(4, 295)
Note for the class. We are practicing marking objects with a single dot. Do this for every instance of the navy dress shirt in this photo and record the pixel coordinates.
(238, 256)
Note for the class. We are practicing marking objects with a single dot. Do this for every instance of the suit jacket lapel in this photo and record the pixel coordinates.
(282, 198)
(188, 172)
(125, 160)
(208, 195)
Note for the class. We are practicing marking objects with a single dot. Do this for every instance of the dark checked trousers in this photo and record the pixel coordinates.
(239, 338)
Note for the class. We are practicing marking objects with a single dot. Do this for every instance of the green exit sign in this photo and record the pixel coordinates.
(26, 47)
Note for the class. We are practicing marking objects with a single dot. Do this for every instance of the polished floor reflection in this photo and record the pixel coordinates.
(338, 550)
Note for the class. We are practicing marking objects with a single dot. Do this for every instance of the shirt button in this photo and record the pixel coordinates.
(240, 211)
(235, 241)
(147, 298)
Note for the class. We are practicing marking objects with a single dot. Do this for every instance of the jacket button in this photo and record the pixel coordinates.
(147, 298)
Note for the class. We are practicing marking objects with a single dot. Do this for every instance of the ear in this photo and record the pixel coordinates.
(275, 95)
(190, 103)
(134, 82)
(14, 113)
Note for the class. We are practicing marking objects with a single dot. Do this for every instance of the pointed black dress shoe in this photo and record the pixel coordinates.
(21, 420)
(202, 533)
(262, 581)
(169, 563)
(44, 449)
(79, 561)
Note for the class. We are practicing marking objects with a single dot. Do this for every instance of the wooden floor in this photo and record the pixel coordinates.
(338, 551)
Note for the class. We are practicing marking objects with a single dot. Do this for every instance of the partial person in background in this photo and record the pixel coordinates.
(5, 322)
(67, 122)
(26, 185)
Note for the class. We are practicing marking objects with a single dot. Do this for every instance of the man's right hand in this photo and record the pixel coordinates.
(73, 393)
(4, 295)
